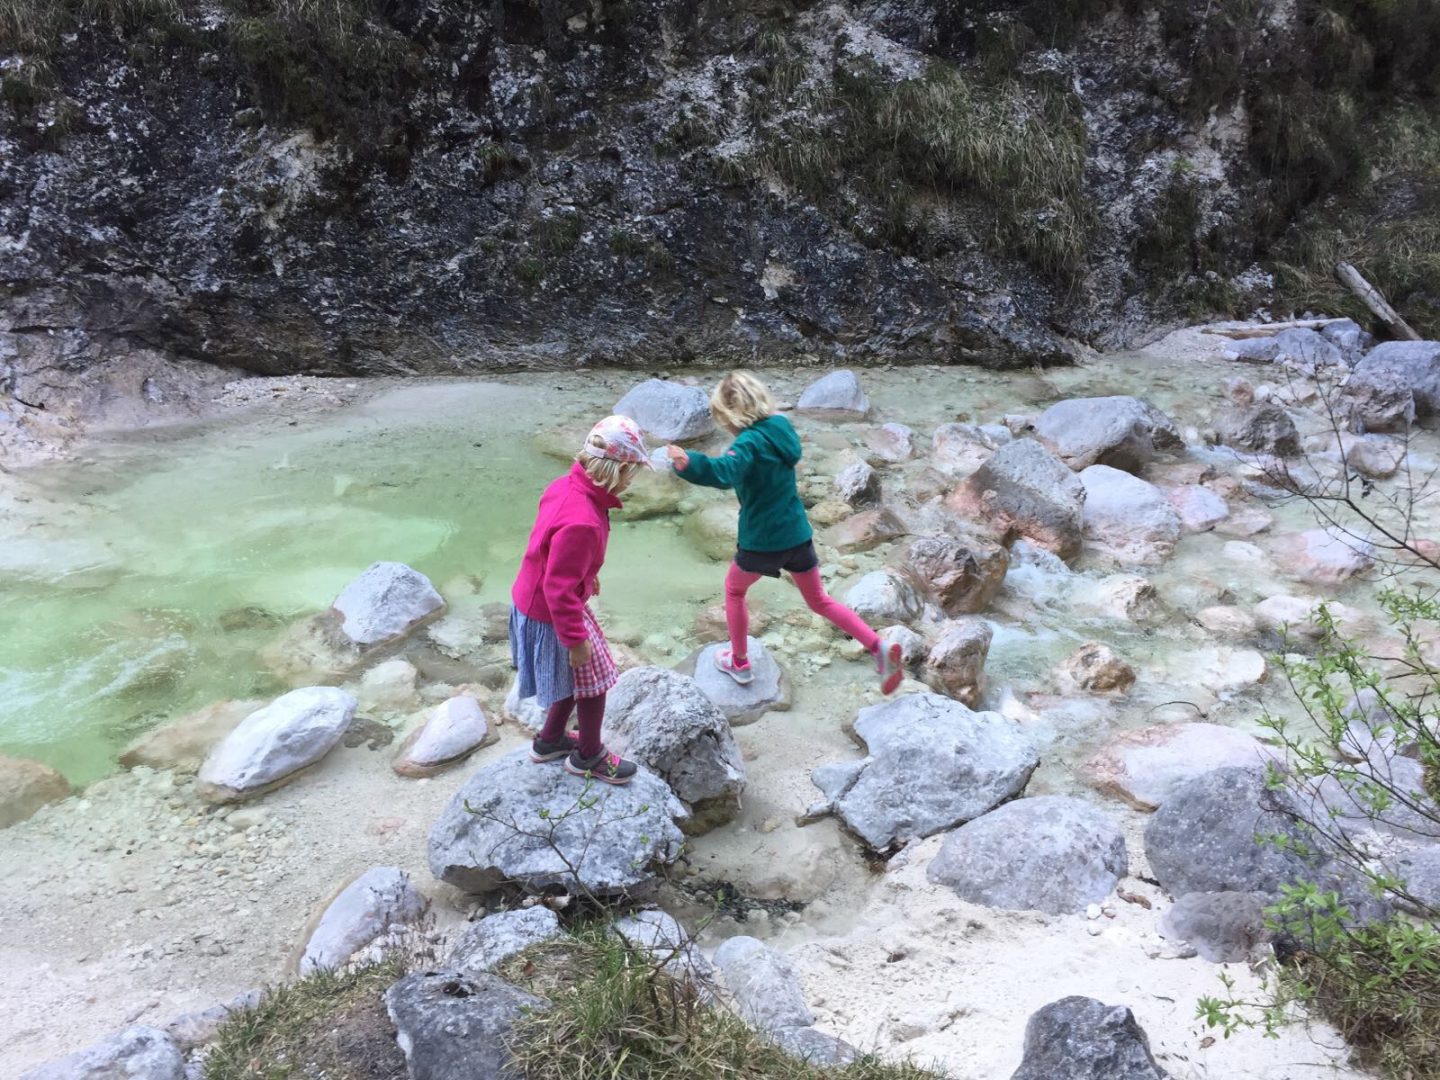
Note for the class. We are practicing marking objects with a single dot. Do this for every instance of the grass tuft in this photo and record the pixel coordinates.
(614, 1014)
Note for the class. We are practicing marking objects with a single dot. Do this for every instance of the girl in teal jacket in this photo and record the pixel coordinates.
(775, 534)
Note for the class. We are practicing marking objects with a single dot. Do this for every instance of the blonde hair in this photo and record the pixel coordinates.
(614, 476)
(741, 400)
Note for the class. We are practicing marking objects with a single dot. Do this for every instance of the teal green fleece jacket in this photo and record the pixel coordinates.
(760, 466)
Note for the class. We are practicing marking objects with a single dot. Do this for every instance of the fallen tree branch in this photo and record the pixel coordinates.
(1370, 296)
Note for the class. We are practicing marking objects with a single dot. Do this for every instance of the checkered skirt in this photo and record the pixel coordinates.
(543, 664)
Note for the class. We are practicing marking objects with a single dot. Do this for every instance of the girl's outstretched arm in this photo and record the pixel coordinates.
(724, 471)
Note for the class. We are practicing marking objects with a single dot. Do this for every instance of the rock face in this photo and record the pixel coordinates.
(613, 845)
(1025, 491)
(837, 393)
(1324, 556)
(1078, 1038)
(1261, 429)
(366, 909)
(184, 743)
(269, 747)
(454, 730)
(1122, 432)
(385, 603)
(1052, 853)
(664, 721)
(932, 764)
(1200, 509)
(1127, 518)
(26, 786)
(762, 985)
(956, 663)
(137, 1053)
(884, 596)
(768, 692)
(1096, 667)
(1415, 363)
(668, 411)
(1206, 837)
(962, 575)
(1145, 767)
(1224, 927)
(495, 938)
(453, 1026)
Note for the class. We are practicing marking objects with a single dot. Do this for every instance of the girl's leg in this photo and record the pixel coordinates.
(737, 616)
(820, 602)
(592, 713)
(557, 719)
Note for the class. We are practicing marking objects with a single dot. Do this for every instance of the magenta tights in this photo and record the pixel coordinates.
(592, 712)
(737, 617)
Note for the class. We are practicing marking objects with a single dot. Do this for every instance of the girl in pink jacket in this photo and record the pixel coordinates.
(558, 648)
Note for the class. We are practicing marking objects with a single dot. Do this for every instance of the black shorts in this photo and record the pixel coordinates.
(796, 560)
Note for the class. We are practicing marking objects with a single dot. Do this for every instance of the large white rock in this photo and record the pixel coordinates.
(1023, 490)
(1415, 363)
(1143, 767)
(662, 720)
(1324, 556)
(885, 596)
(1127, 518)
(1052, 853)
(495, 938)
(838, 392)
(768, 691)
(137, 1053)
(369, 907)
(1122, 432)
(386, 602)
(269, 747)
(766, 993)
(668, 411)
(1200, 509)
(453, 731)
(956, 662)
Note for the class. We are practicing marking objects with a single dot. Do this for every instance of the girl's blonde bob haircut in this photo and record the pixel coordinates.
(614, 476)
(740, 401)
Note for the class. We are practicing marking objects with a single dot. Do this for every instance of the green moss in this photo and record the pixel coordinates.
(558, 235)
(530, 270)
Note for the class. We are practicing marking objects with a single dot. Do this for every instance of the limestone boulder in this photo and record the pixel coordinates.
(453, 1026)
(932, 764)
(183, 744)
(1416, 364)
(1145, 767)
(1378, 399)
(1323, 556)
(1097, 668)
(1122, 432)
(955, 664)
(712, 529)
(271, 746)
(885, 596)
(1051, 853)
(963, 575)
(1209, 835)
(664, 721)
(1127, 518)
(452, 731)
(894, 443)
(957, 450)
(361, 912)
(857, 483)
(1199, 508)
(1079, 1038)
(26, 786)
(661, 940)
(386, 602)
(1223, 927)
(488, 942)
(137, 1053)
(866, 530)
(837, 394)
(769, 691)
(762, 985)
(1025, 491)
(578, 835)
(1263, 428)
(668, 411)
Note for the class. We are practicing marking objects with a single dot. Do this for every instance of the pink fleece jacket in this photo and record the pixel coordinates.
(566, 550)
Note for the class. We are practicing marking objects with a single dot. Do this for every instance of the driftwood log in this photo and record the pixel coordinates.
(1371, 298)
(1259, 330)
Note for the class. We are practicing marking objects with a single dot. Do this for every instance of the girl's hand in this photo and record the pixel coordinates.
(678, 457)
(581, 654)
(595, 587)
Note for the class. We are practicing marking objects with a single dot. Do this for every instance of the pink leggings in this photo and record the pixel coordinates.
(737, 617)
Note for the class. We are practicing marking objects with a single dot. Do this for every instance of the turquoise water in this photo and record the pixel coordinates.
(147, 579)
